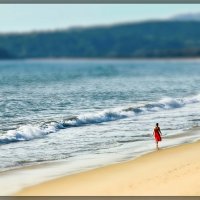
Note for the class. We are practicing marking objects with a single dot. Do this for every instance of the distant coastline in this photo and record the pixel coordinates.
(102, 59)
(150, 39)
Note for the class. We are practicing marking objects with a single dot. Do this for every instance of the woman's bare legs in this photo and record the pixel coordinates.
(157, 145)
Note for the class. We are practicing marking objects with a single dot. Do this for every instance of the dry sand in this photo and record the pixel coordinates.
(173, 171)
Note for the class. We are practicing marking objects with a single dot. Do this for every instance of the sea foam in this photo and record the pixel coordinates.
(29, 132)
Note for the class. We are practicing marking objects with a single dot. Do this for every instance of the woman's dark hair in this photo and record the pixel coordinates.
(156, 124)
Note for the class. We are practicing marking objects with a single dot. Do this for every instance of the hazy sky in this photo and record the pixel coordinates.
(28, 17)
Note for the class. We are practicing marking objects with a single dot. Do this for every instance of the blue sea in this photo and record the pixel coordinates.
(75, 115)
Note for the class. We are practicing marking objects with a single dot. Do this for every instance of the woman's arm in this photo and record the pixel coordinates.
(160, 131)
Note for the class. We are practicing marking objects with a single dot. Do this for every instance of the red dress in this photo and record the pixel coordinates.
(157, 134)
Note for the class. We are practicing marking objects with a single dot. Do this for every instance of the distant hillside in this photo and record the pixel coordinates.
(5, 54)
(147, 39)
(187, 17)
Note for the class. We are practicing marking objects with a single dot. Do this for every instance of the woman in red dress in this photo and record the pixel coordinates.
(157, 134)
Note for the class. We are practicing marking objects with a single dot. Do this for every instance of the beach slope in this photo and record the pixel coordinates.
(173, 171)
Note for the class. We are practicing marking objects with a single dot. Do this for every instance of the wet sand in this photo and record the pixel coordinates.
(173, 171)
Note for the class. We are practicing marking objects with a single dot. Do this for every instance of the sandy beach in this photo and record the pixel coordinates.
(173, 171)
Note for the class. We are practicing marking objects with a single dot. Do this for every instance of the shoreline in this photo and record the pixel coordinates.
(31, 175)
(195, 58)
(171, 171)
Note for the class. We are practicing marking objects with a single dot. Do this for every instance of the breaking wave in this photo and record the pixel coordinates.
(29, 132)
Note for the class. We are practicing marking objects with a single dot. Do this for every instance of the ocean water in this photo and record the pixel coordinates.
(87, 113)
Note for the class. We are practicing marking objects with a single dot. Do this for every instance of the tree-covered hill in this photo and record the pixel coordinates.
(145, 39)
(5, 55)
